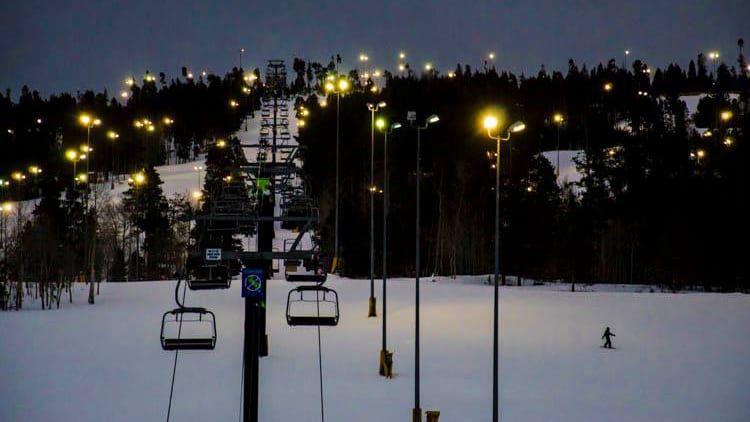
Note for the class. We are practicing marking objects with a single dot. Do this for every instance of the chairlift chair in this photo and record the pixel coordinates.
(312, 306)
(188, 329)
(217, 277)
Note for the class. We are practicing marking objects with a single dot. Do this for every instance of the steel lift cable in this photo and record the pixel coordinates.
(176, 352)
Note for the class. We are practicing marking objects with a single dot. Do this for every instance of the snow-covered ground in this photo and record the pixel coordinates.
(679, 357)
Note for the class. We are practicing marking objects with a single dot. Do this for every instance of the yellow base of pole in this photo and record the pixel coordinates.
(432, 415)
(333, 266)
(371, 313)
(416, 415)
(386, 364)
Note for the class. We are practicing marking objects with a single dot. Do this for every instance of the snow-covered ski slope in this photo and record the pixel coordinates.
(679, 357)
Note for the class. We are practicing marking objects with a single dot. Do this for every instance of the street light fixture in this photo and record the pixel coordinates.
(417, 411)
(558, 119)
(339, 87)
(113, 136)
(371, 313)
(381, 124)
(491, 123)
(198, 169)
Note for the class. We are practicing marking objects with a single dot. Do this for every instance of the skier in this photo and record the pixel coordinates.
(608, 341)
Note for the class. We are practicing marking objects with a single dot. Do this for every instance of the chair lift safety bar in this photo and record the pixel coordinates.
(312, 306)
(188, 329)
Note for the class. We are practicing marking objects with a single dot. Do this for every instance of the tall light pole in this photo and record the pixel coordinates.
(490, 123)
(416, 413)
(242, 51)
(198, 169)
(371, 313)
(381, 124)
(113, 136)
(88, 121)
(558, 119)
(339, 88)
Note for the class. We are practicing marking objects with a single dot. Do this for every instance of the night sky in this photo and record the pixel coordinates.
(60, 45)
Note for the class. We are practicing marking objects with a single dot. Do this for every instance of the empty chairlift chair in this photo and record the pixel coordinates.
(311, 306)
(212, 277)
(188, 329)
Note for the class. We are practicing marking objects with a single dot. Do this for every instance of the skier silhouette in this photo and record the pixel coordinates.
(608, 342)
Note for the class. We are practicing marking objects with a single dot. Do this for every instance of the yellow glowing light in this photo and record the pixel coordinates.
(86, 148)
(365, 75)
(71, 154)
(401, 67)
(330, 78)
(611, 152)
(227, 178)
(221, 143)
(330, 87)
(138, 124)
(451, 75)
(85, 119)
(168, 121)
(529, 189)
(728, 141)
(700, 153)
(323, 103)
(343, 85)
(380, 123)
(305, 112)
(190, 75)
(7, 207)
(726, 115)
(112, 135)
(363, 58)
(402, 55)
(608, 86)
(558, 118)
(233, 103)
(376, 73)
(139, 178)
(491, 56)
(428, 66)
(124, 94)
(129, 81)
(301, 123)
(490, 122)
(151, 128)
(35, 170)
(708, 134)
(197, 194)
(374, 89)
(82, 178)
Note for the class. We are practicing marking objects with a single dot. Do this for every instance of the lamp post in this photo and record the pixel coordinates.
(136, 180)
(198, 169)
(417, 411)
(490, 123)
(371, 313)
(381, 124)
(89, 122)
(558, 119)
(113, 136)
(339, 88)
(36, 171)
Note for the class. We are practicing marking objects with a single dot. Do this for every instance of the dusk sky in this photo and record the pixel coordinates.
(70, 45)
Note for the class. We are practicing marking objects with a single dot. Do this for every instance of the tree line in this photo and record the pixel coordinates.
(663, 194)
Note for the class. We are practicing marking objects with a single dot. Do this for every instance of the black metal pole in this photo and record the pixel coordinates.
(495, 409)
(251, 355)
(417, 411)
(372, 312)
(385, 231)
